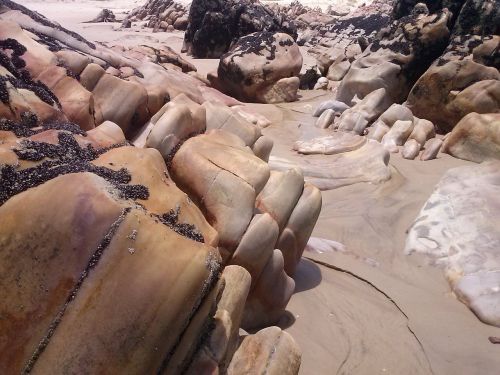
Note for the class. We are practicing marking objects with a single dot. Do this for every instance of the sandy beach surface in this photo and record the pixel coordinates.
(365, 308)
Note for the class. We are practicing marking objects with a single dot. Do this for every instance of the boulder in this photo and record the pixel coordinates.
(336, 106)
(476, 138)
(325, 119)
(261, 67)
(431, 149)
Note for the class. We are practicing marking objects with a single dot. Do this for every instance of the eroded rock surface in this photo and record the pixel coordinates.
(457, 229)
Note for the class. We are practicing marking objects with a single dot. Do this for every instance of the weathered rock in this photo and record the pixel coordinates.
(224, 179)
(321, 84)
(358, 117)
(368, 163)
(336, 143)
(253, 355)
(104, 15)
(397, 58)
(336, 106)
(280, 195)
(476, 138)
(431, 149)
(378, 130)
(394, 113)
(411, 149)
(458, 230)
(423, 130)
(294, 237)
(261, 67)
(325, 119)
(216, 25)
(398, 134)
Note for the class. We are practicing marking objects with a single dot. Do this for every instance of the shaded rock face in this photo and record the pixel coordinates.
(214, 25)
(465, 78)
(458, 231)
(261, 67)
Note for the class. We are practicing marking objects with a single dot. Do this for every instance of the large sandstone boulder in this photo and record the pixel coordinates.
(214, 25)
(261, 67)
(476, 138)
(457, 229)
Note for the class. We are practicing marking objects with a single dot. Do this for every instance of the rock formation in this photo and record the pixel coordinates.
(160, 15)
(214, 26)
(174, 246)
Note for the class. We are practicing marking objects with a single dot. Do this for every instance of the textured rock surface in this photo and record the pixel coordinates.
(476, 138)
(215, 25)
(256, 67)
(458, 230)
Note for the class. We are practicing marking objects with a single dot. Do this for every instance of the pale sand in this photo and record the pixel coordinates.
(371, 309)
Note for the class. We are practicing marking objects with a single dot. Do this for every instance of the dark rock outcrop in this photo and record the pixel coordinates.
(214, 25)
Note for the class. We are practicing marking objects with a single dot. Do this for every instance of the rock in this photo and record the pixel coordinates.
(398, 134)
(321, 84)
(273, 290)
(325, 119)
(431, 149)
(224, 179)
(423, 130)
(104, 15)
(214, 26)
(338, 70)
(181, 23)
(262, 148)
(261, 67)
(397, 58)
(457, 229)
(378, 130)
(358, 117)
(257, 245)
(285, 90)
(465, 78)
(115, 239)
(411, 149)
(126, 24)
(368, 163)
(294, 237)
(280, 195)
(476, 138)
(255, 352)
(336, 143)
(394, 113)
(219, 116)
(175, 125)
(336, 106)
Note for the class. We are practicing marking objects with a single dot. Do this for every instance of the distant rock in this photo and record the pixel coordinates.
(160, 15)
(104, 15)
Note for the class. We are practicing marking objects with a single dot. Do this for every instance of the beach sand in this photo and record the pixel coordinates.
(369, 309)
